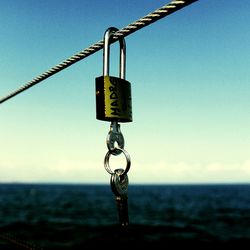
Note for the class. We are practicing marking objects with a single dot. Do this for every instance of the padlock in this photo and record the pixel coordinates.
(113, 94)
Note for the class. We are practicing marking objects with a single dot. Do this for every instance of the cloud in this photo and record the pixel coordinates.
(61, 171)
(77, 171)
(246, 167)
(182, 172)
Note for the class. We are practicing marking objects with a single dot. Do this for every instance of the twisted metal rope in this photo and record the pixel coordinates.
(165, 10)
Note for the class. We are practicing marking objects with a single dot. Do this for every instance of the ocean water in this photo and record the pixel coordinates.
(41, 216)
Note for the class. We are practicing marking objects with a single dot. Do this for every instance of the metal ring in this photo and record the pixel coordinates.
(113, 137)
(106, 161)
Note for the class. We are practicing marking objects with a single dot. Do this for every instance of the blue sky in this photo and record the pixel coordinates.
(189, 74)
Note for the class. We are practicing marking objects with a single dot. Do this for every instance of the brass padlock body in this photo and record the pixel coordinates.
(113, 99)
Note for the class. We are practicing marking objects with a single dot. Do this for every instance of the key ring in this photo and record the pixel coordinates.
(106, 161)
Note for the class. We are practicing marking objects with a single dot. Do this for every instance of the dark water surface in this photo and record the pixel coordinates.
(85, 216)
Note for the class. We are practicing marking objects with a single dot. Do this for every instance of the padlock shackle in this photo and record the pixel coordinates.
(106, 53)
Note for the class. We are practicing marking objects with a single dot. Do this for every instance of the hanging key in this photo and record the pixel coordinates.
(114, 104)
(119, 186)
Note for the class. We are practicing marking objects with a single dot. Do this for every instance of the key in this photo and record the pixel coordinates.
(119, 186)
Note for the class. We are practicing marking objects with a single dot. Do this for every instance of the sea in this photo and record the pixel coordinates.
(73, 216)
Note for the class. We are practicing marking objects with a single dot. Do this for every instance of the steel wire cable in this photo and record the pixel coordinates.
(152, 17)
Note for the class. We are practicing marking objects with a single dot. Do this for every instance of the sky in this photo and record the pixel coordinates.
(189, 75)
